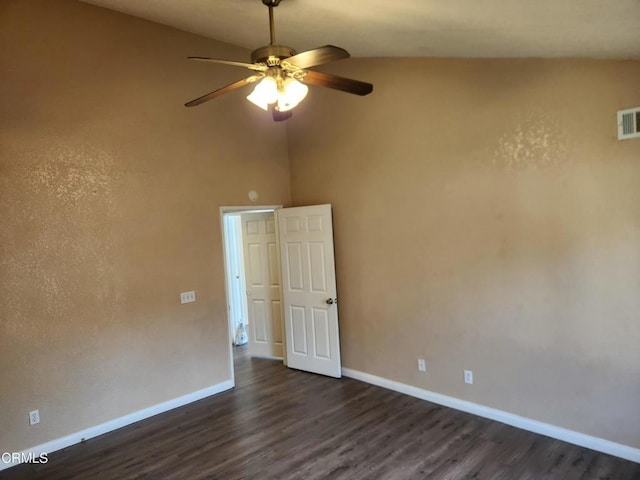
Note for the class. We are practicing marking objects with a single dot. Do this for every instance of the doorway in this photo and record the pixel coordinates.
(290, 291)
(252, 281)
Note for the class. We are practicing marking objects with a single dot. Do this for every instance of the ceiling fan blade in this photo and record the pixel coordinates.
(279, 116)
(220, 91)
(252, 66)
(317, 56)
(339, 83)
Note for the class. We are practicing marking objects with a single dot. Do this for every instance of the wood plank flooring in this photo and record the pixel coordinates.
(285, 424)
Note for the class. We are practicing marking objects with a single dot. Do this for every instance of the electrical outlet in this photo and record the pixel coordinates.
(468, 377)
(34, 417)
(188, 297)
(422, 365)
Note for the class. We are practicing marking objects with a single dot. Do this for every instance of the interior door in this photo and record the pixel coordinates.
(309, 289)
(262, 274)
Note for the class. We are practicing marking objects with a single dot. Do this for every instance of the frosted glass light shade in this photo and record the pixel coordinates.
(291, 94)
(265, 93)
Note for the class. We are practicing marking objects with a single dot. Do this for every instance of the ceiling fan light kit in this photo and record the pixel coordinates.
(285, 93)
(283, 75)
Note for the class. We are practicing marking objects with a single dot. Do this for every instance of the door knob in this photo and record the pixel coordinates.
(329, 301)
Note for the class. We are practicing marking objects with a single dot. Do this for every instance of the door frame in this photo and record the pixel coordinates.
(227, 210)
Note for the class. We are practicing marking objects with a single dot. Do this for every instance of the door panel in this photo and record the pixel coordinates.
(322, 346)
(294, 266)
(274, 264)
(262, 272)
(259, 323)
(298, 330)
(309, 289)
(278, 327)
(255, 274)
(317, 267)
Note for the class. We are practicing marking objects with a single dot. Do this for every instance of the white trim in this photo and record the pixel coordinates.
(120, 422)
(601, 445)
(249, 209)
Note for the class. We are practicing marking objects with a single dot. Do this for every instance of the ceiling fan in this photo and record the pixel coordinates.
(283, 75)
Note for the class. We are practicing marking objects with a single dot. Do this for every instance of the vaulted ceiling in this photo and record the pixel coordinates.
(412, 28)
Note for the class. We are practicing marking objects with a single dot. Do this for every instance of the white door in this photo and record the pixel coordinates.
(309, 289)
(262, 274)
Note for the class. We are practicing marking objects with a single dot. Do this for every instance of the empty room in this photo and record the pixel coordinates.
(263, 239)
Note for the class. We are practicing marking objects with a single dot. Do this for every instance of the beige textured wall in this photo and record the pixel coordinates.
(486, 218)
(109, 196)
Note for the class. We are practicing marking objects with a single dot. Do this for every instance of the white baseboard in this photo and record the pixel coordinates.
(120, 422)
(576, 438)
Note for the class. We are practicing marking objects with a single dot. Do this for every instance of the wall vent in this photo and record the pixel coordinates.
(629, 123)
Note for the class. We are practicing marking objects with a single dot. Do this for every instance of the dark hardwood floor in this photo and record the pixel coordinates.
(285, 424)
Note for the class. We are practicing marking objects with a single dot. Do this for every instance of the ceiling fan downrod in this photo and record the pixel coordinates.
(272, 53)
(272, 25)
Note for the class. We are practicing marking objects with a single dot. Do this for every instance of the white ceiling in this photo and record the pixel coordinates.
(412, 28)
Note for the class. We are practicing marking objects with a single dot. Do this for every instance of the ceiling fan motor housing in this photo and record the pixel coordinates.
(262, 54)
